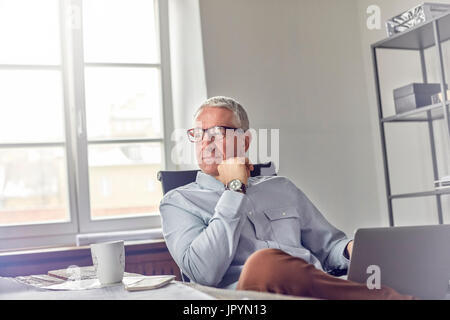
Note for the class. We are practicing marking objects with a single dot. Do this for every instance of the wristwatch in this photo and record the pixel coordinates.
(236, 185)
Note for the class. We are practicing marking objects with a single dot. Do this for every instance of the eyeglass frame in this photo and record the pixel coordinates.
(192, 139)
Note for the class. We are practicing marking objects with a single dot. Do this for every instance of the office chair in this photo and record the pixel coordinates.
(173, 179)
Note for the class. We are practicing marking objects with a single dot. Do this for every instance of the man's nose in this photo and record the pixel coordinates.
(207, 139)
(208, 136)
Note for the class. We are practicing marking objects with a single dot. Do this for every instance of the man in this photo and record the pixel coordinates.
(230, 230)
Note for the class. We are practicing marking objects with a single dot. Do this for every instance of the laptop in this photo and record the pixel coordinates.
(411, 260)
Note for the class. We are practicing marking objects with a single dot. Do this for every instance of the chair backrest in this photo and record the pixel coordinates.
(174, 179)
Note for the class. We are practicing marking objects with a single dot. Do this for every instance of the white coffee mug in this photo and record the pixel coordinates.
(109, 261)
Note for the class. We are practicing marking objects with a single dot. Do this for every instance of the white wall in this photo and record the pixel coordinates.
(298, 66)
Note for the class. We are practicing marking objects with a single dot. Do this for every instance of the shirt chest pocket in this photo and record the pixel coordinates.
(285, 225)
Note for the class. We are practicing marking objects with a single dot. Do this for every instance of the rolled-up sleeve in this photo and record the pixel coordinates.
(203, 250)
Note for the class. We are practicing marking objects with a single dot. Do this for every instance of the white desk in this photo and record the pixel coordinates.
(11, 289)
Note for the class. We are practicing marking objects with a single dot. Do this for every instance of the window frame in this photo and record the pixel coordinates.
(76, 144)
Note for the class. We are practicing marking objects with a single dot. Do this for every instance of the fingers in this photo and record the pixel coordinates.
(240, 160)
(249, 164)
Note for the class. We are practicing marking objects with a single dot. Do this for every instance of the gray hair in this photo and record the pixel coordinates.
(230, 104)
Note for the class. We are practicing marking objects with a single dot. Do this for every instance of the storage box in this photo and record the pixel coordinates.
(415, 16)
(437, 98)
(443, 183)
(414, 95)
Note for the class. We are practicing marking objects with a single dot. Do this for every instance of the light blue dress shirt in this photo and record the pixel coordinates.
(210, 232)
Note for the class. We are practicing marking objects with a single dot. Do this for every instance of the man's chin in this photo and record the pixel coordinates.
(210, 169)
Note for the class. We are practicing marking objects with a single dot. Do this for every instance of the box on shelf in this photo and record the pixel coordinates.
(444, 183)
(414, 95)
(437, 98)
(415, 16)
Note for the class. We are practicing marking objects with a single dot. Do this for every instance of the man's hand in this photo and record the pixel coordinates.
(234, 168)
(349, 249)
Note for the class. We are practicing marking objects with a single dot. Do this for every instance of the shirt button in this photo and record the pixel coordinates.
(250, 213)
(284, 213)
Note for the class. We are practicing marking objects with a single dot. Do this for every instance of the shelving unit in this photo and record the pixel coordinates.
(424, 36)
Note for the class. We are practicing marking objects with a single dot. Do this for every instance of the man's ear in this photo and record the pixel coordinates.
(248, 139)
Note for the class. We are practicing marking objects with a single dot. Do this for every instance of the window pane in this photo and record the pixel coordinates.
(33, 186)
(123, 179)
(29, 32)
(119, 31)
(31, 106)
(123, 103)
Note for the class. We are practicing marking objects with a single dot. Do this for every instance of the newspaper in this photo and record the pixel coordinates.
(72, 278)
(80, 273)
(130, 283)
(85, 284)
(39, 281)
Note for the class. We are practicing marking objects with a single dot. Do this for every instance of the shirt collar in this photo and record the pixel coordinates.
(209, 182)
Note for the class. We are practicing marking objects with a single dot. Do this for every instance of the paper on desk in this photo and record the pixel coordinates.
(39, 281)
(146, 282)
(134, 283)
(85, 284)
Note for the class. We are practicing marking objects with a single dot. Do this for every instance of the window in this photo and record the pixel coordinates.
(82, 125)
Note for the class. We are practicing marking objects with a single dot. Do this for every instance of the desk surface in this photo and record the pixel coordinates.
(11, 289)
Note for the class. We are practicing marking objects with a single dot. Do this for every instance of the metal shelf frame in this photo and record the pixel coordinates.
(430, 34)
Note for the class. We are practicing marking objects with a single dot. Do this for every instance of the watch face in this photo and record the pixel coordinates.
(235, 185)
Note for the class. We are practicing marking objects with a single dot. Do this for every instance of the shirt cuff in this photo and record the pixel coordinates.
(341, 247)
(230, 202)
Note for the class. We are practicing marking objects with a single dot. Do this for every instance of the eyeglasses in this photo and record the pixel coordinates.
(197, 134)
